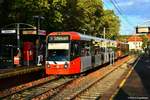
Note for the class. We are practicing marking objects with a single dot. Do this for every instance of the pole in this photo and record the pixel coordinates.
(37, 39)
(12, 56)
(39, 18)
(104, 31)
(135, 44)
(18, 43)
(18, 35)
(84, 30)
(105, 56)
(37, 42)
(28, 53)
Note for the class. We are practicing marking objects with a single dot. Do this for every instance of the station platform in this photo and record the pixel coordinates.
(6, 73)
(137, 85)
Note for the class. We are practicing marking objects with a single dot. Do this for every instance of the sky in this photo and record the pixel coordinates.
(134, 13)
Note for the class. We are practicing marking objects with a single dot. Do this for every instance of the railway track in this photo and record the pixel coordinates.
(10, 91)
(64, 88)
(97, 89)
(28, 94)
(94, 85)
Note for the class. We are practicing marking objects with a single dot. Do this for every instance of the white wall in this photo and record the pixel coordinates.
(135, 45)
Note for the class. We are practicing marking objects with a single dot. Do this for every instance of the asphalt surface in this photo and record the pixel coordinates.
(137, 86)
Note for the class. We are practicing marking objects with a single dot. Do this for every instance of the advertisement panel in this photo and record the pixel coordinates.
(141, 30)
(29, 32)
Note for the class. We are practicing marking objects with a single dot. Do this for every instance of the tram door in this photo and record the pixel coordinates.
(28, 53)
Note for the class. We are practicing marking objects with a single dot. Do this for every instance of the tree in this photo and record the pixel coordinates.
(145, 40)
(5, 9)
(111, 23)
(92, 10)
(23, 10)
(63, 15)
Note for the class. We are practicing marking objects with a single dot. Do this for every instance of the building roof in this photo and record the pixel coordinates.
(135, 39)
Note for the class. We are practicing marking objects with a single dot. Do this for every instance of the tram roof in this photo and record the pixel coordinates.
(89, 38)
(97, 39)
(122, 42)
(79, 36)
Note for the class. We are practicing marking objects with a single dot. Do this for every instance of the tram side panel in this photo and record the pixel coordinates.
(98, 60)
(122, 50)
(86, 63)
(97, 56)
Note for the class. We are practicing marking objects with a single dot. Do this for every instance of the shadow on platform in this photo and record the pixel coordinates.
(137, 86)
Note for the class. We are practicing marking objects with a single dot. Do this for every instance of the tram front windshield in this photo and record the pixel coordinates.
(58, 55)
(58, 48)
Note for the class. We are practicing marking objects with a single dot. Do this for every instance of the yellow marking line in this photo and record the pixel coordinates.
(124, 80)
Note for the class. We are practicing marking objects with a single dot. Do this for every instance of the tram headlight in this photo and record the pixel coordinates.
(66, 65)
(48, 65)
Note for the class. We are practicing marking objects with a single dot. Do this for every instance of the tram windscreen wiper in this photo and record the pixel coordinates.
(54, 62)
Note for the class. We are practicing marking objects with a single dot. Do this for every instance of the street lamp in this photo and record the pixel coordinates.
(39, 18)
(104, 33)
(84, 30)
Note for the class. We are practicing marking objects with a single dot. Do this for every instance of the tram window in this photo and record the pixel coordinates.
(75, 49)
(88, 52)
(85, 48)
(97, 51)
(85, 52)
(101, 49)
(82, 52)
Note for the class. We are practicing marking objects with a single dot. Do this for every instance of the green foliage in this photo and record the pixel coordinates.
(123, 38)
(63, 15)
(145, 40)
(92, 10)
(5, 9)
(111, 23)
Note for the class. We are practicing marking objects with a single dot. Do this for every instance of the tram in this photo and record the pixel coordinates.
(70, 53)
(122, 49)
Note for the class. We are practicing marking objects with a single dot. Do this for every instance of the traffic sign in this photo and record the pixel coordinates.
(8, 31)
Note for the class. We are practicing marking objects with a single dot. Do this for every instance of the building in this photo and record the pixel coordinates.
(135, 43)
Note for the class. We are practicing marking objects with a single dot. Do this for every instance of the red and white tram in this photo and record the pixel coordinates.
(73, 53)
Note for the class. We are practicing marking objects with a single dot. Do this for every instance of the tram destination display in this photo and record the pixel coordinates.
(58, 38)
